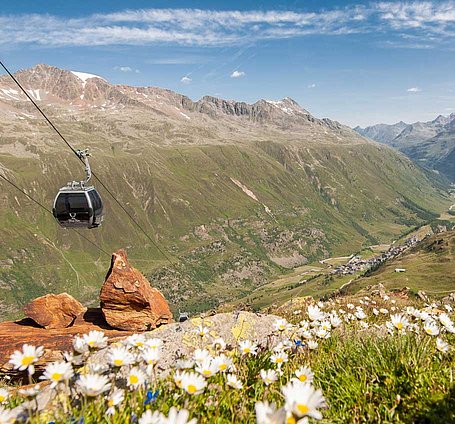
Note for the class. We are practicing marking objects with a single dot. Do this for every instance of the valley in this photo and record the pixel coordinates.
(426, 262)
(236, 195)
(430, 144)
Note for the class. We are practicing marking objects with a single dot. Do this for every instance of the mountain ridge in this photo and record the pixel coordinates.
(51, 83)
(235, 195)
(430, 144)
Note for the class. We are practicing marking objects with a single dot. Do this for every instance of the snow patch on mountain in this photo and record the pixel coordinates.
(83, 76)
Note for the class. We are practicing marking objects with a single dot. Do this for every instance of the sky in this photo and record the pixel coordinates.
(360, 63)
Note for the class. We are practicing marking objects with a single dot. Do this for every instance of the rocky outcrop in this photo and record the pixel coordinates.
(54, 310)
(127, 299)
(13, 334)
(181, 339)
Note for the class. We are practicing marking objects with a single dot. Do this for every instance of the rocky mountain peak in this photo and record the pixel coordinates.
(79, 92)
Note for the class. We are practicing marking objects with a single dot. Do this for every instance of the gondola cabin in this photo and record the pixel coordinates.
(78, 207)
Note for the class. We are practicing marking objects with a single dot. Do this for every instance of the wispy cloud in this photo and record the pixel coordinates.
(237, 74)
(414, 90)
(126, 69)
(312, 85)
(418, 23)
(185, 80)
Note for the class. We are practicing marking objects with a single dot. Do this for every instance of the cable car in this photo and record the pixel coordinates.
(77, 205)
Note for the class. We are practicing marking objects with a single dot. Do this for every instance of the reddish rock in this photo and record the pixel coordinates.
(128, 301)
(54, 310)
(55, 341)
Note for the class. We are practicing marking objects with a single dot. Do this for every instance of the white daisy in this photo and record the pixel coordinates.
(279, 358)
(7, 416)
(120, 356)
(301, 399)
(93, 384)
(314, 313)
(400, 322)
(207, 368)
(136, 340)
(24, 360)
(442, 345)
(223, 363)
(136, 378)
(177, 417)
(57, 372)
(193, 383)
(269, 376)
(201, 331)
(114, 399)
(247, 347)
(95, 339)
(154, 343)
(304, 374)
(233, 381)
(149, 417)
(219, 344)
(431, 328)
(267, 413)
(4, 395)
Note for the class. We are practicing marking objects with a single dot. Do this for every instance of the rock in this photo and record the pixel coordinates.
(423, 296)
(376, 290)
(128, 301)
(181, 339)
(449, 299)
(401, 293)
(13, 334)
(54, 310)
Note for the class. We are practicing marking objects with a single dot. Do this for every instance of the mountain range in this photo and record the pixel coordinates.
(233, 193)
(430, 144)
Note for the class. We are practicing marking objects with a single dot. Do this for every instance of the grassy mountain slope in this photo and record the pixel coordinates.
(430, 266)
(233, 200)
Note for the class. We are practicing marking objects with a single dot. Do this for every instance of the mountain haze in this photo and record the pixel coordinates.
(235, 193)
(430, 144)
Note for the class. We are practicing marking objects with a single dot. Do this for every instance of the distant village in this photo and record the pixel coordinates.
(355, 263)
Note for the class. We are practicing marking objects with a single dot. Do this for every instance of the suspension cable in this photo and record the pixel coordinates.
(165, 255)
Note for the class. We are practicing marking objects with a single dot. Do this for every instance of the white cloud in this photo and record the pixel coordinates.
(185, 80)
(414, 90)
(312, 85)
(418, 23)
(238, 74)
(126, 69)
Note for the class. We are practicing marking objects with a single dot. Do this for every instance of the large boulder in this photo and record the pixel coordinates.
(128, 301)
(54, 310)
(181, 339)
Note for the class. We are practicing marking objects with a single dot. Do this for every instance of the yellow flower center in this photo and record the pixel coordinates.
(191, 389)
(222, 367)
(302, 408)
(110, 402)
(118, 362)
(290, 420)
(27, 360)
(2, 398)
(303, 377)
(278, 360)
(246, 350)
(134, 379)
(207, 372)
(399, 325)
(91, 343)
(56, 376)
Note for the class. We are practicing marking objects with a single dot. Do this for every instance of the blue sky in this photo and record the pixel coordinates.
(356, 62)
